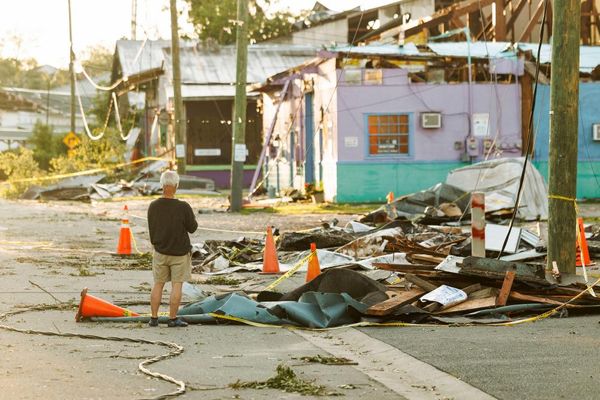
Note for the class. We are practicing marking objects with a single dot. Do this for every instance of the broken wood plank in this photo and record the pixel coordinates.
(506, 288)
(496, 269)
(471, 305)
(427, 258)
(483, 293)
(390, 305)
(526, 297)
(472, 288)
(422, 283)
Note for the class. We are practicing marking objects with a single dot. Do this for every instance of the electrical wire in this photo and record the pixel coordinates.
(530, 136)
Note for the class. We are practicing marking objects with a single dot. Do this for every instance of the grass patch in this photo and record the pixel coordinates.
(285, 380)
(222, 280)
(328, 360)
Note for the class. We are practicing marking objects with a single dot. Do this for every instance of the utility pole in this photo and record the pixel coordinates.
(133, 19)
(564, 99)
(238, 148)
(179, 123)
(71, 70)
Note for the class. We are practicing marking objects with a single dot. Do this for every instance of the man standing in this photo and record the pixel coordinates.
(169, 221)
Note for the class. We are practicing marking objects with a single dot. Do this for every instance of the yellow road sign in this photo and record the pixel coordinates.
(71, 140)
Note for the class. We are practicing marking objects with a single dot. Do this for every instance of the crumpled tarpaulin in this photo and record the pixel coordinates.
(341, 281)
(312, 310)
(499, 180)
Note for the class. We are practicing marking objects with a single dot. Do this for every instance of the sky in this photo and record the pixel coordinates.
(40, 29)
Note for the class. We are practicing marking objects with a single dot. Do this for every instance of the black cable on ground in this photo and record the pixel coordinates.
(531, 132)
(175, 349)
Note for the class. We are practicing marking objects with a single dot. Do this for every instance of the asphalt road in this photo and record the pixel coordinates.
(64, 247)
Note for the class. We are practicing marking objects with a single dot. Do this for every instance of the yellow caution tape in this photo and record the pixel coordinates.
(87, 172)
(564, 198)
(291, 272)
(405, 324)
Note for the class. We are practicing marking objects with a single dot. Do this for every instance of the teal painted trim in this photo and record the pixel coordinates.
(220, 167)
(588, 178)
(371, 182)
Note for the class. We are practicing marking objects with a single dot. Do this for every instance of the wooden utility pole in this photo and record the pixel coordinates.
(71, 70)
(238, 148)
(179, 123)
(564, 99)
(133, 19)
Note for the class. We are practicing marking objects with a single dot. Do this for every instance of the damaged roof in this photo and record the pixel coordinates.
(218, 66)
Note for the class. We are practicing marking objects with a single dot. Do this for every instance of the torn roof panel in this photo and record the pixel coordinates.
(409, 49)
(589, 56)
(202, 66)
(476, 49)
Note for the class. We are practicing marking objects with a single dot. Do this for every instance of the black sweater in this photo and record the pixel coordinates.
(169, 221)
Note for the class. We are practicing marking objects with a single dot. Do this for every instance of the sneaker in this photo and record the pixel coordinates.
(153, 322)
(177, 323)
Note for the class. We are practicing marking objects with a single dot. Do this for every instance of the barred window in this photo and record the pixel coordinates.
(388, 134)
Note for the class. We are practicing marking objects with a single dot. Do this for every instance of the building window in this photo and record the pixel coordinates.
(388, 134)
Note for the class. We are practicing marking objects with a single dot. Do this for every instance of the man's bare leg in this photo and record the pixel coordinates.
(156, 298)
(175, 300)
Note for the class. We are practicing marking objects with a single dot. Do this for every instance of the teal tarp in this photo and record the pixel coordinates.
(312, 310)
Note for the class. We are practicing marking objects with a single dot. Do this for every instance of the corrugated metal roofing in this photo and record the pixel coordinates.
(450, 49)
(201, 66)
(409, 49)
(589, 56)
(477, 49)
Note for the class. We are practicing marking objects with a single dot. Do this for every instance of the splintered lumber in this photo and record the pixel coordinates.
(427, 258)
(506, 288)
(496, 269)
(422, 283)
(471, 305)
(390, 305)
(411, 268)
(472, 288)
(526, 297)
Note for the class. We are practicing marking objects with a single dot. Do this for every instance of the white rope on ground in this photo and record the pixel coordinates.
(175, 349)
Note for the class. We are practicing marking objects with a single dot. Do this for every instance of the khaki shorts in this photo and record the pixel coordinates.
(171, 268)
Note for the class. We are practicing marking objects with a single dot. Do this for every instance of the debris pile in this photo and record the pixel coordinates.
(98, 186)
(410, 261)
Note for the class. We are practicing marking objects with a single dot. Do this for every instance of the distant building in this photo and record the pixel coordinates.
(364, 121)
(21, 109)
(208, 89)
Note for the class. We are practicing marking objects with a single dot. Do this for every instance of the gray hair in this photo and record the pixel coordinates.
(169, 178)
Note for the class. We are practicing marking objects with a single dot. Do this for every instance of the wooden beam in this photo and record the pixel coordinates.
(500, 28)
(471, 305)
(506, 288)
(510, 24)
(422, 283)
(390, 305)
(526, 35)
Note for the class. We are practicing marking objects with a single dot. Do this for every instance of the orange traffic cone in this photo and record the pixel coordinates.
(583, 254)
(390, 197)
(314, 269)
(124, 246)
(270, 261)
(91, 306)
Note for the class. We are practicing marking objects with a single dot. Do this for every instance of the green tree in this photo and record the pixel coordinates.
(90, 154)
(216, 20)
(46, 146)
(16, 166)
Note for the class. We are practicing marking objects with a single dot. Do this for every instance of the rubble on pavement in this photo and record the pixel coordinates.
(98, 187)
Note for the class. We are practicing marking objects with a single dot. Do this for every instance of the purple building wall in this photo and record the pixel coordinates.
(398, 95)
